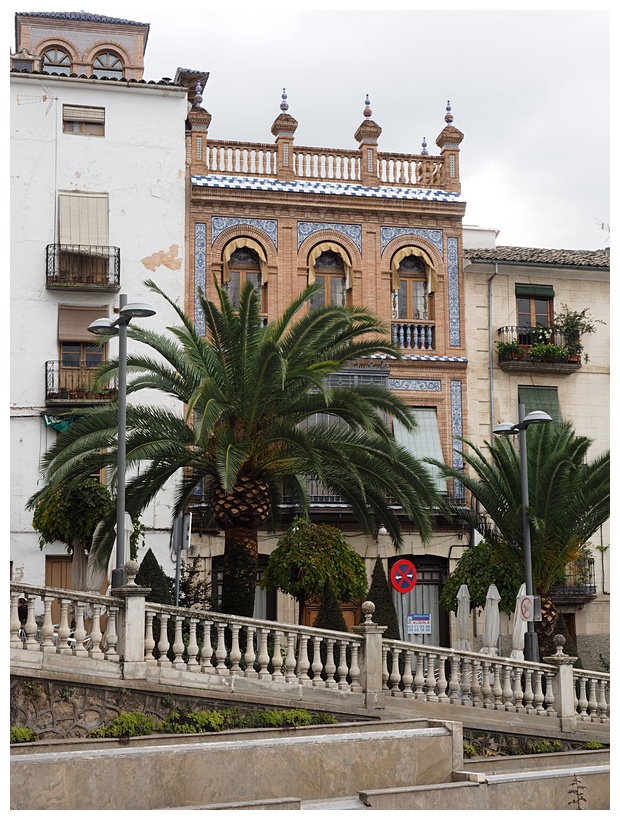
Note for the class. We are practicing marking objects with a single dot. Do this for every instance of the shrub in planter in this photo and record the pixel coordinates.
(22, 734)
(547, 352)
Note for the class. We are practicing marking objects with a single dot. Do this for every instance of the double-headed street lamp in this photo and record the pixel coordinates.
(530, 649)
(113, 327)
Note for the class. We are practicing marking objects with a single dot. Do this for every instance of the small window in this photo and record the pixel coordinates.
(108, 65)
(541, 398)
(56, 61)
(22, 65)
(83, 119)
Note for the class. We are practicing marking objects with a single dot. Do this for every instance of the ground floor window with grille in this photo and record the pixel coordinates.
(423, 600)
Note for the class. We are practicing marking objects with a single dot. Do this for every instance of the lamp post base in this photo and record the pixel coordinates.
(118, 578)
(530, 647)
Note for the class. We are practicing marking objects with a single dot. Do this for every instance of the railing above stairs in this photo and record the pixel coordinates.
(125, 637)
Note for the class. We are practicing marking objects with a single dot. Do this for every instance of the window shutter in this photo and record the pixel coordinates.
(73, 322)
(80, 113)
(541, 398)
(83, 219)
(423, 441)
(540, 291)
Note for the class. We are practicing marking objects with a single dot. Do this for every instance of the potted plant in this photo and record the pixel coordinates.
(572, 325)
(548, 353)
(509, 350)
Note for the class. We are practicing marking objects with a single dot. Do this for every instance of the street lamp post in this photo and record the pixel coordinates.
(111, 327)
(530, 648)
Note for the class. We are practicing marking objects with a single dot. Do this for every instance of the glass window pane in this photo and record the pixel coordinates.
(233, 287)
(318, 300)
(338, 291)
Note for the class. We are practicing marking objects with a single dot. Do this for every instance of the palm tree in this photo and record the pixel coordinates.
(568, 500)
(258, 418)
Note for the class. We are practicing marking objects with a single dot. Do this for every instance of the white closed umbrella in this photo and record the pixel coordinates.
(462, 619)
(519, 628)
(490, 633)
(95, 573)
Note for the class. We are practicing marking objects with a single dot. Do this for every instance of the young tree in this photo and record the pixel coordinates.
(310, 554)
(569, 500)
(250, 425)
(381, 596)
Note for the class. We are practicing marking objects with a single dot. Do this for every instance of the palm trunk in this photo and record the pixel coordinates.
(240, 567)
(547, 626)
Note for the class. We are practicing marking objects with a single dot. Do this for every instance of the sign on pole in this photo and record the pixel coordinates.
(403, 576)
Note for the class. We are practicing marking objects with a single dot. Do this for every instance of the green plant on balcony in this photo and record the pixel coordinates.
(573, 324)
(548, 353)
(509, 350)
(541, 335)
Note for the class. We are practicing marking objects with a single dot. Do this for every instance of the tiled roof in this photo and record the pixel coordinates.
(79, 15)
(319, 187)
(540, 256)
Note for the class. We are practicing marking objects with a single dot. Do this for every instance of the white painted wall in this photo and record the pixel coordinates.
(140, 164)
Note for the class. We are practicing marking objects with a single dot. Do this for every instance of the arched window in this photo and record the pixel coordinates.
(328, 270)
(108, 65)
(414, 281)
(57, 61)
(412, 299)
(243, 266)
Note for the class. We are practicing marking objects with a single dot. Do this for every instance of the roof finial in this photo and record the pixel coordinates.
(448, 118)
(198, 94)
(284, 104)
(424, 144)
(367, 111)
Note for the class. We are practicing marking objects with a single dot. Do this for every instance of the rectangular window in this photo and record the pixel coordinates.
(83, 219)
(534, 309)
(80, 354)
(83, 119)
(541, 398)
(423, 441)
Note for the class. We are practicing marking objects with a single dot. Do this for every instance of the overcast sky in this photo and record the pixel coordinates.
(529, 89)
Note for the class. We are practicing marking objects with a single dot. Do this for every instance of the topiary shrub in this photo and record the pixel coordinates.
(22, 734)
(381, 596)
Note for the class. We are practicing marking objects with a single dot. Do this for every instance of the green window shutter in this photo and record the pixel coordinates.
(424, 441)
(541, 398)
(539, 291)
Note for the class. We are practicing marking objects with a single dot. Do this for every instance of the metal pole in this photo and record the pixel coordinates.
(118, 574)
(530, 649)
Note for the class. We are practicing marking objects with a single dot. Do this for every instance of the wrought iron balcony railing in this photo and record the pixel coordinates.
(83, 266)
(579, 583)
(537, 344)
(69, 383)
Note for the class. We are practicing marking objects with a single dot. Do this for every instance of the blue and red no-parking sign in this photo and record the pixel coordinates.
(403, 575)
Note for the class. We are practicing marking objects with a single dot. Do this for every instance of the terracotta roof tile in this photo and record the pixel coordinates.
(540, 256)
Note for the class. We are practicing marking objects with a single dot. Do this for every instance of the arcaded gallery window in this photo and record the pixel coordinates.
(108, 64)
(244, 261)
(329, 267)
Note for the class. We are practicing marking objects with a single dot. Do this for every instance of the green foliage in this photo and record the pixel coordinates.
(188, 721)
(479, 567)
(541, 747)
(127, 724)
(330, 615)
(507, 350)
(310, 554)
(71, 513)
(469, 750)
(593, 745)
(194, 591)
(539, 352)
(573, 324)
(22, 734)
(381, 596)
(152, 575)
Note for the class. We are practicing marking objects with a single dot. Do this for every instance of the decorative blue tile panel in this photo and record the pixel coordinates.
(413, 358)
(352, 232)
(435, 236)
(329, 188)
(200, 264)
(456, 403)
(427, 385)
(220, 223)
(453, 292)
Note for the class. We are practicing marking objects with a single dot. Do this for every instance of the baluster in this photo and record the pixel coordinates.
(602, 702)
(291, 661)
(192, 647)
(408, 675)
(465, 682)
(395, 674)
(276, 658)
(487, 701)
(63, 628)
(178, 646)
(497, 685)
(593, 701)
(95, 633)
(317, 665)
(220, 652)
(528, 695)
(442, 683)
(111, 636)
(549, 696)
(453, 684)
(330, 666)
(413, 339)
(518, 689)
(16, 642)
(385, 675)
(304, 663)
(206, 653)
(79, 633)
(431, 680)
(250, 654)
(476, 683)
(418, 680)
(507, 690)
(343, 667)
(149, 640)
(31, 626)
(354, 671)
(538, 693)
(47, 630)
(164, 644)
(583, 700)
(263, 653)
(235, 650)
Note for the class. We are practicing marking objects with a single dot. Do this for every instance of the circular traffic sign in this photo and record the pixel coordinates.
(526, 609)
(403, 575)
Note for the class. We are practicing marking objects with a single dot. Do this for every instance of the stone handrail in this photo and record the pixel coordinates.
(230, 157)
(141, 640)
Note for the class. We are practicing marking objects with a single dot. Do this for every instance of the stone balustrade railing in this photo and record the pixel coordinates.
(247, 159)
(409, 335)
(145, 640)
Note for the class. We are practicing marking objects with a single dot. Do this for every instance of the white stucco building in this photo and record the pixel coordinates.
(97, 207)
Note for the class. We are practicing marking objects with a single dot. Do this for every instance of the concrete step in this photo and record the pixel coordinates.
(333, 804)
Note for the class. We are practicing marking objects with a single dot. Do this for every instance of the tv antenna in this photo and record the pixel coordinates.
(29, 99)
